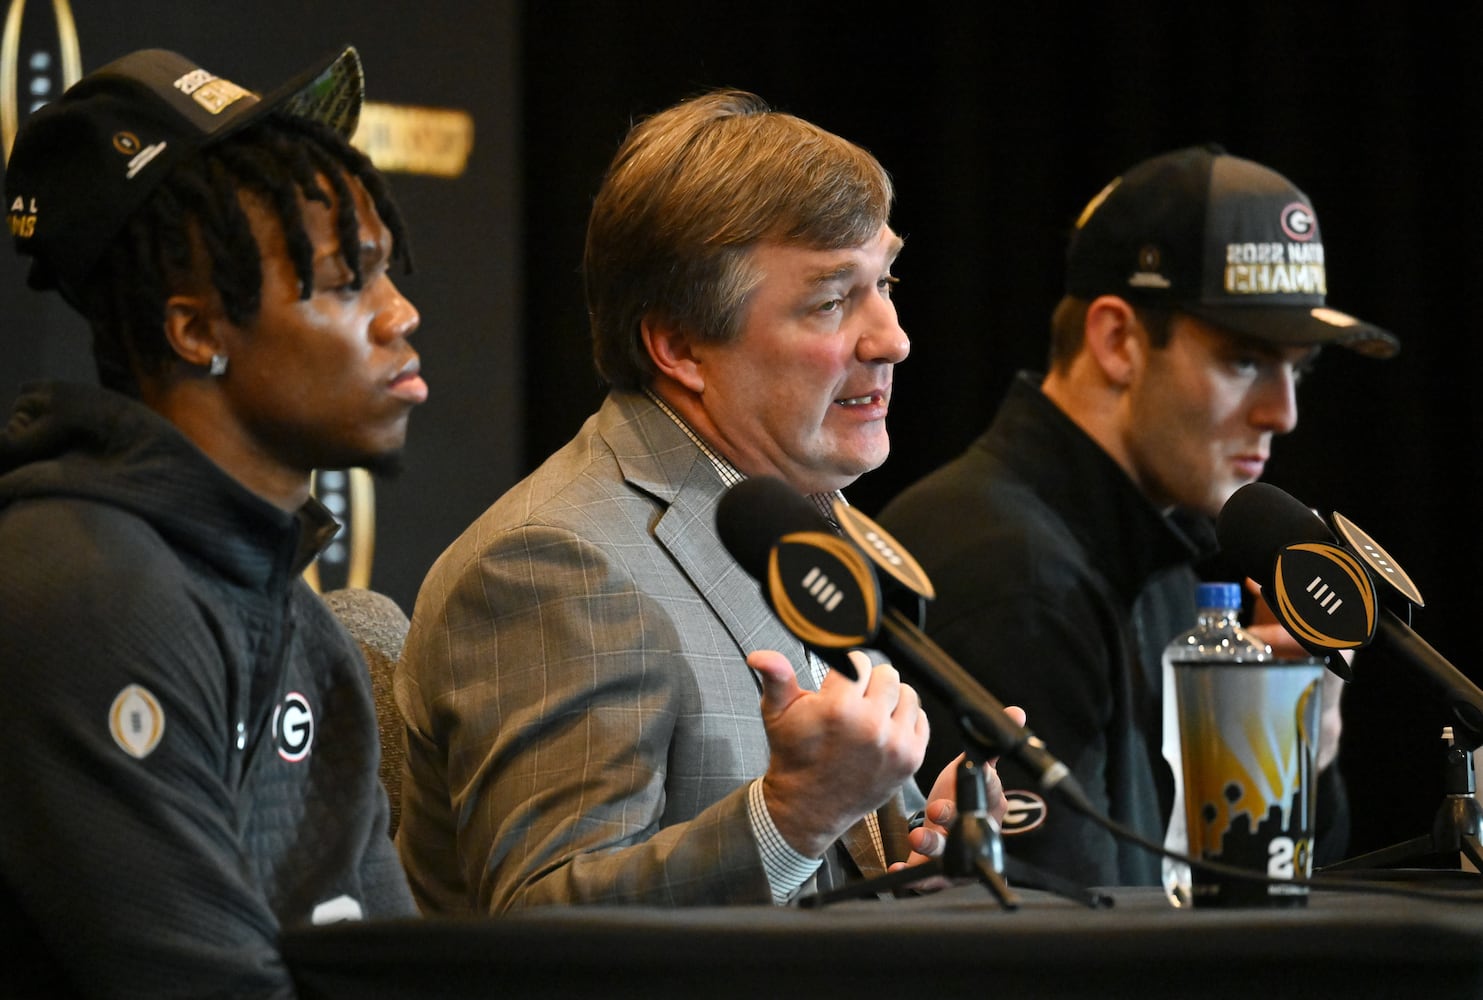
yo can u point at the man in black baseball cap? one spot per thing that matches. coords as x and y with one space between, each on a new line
189 733
1219 238
123 127
1061 542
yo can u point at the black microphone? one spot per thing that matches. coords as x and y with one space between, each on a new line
1315 588
1325 595
824 590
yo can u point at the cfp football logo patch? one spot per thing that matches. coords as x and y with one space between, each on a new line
293 727
136 721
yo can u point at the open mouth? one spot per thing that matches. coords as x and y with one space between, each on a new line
867 400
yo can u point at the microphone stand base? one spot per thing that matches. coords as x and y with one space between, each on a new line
1456 836
975 849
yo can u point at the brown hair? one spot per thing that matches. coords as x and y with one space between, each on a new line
1068 329
689 193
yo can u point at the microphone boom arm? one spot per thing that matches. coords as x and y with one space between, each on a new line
1462 695
985 722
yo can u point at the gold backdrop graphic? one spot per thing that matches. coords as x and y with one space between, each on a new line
68 55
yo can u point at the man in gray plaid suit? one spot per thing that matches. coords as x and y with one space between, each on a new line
600 707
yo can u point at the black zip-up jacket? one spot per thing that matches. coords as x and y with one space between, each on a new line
1059 585
188 744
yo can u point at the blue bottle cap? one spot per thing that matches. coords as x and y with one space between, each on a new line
1218 595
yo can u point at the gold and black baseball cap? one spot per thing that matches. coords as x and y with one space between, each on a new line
83 164
1221 238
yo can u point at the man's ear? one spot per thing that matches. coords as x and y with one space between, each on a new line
673 352
191 329
1114 339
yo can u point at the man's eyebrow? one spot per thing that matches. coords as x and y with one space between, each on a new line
843 271
375 250
371 250
1246 343
848 268
1306 360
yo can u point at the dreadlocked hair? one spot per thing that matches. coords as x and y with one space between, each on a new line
278 159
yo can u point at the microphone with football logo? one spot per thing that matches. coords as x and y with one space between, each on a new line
1331 594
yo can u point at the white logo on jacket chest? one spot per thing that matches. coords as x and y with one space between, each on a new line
293 727
1026 811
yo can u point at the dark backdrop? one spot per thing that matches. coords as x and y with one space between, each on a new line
998 123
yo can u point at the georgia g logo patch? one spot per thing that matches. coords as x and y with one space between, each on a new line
293 727
1298 222
1026 811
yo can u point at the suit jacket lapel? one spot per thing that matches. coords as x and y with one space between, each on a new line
657 457
894 830
861 846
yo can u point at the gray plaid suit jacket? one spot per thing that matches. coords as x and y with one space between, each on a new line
581 724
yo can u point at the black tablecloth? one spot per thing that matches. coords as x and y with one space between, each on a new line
955 943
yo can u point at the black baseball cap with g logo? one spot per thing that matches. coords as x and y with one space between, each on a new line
1218 237
82 165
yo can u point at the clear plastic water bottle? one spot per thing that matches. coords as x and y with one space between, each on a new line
1216 637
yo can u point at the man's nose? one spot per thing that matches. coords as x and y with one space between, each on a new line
396 316
883 342
1276 408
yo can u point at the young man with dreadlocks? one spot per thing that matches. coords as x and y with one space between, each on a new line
187 736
